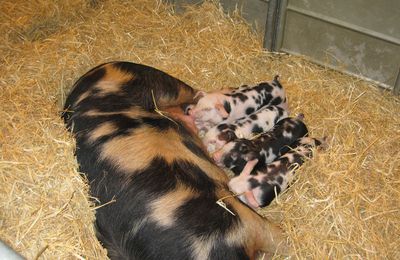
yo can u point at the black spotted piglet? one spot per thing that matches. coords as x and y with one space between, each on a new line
259 122
263 149
214 107
258 187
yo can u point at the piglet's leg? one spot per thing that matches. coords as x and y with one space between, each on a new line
248 168
221 110
237 184
251 200
240 185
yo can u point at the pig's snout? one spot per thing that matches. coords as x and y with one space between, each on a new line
214 145
211 146
217 156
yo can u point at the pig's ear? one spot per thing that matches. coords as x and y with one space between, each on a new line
199 94
231 135
188 109
221 110
300 116
324 142
227 136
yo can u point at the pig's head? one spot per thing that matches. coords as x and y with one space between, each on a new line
218 136
236 153
209 108
310 142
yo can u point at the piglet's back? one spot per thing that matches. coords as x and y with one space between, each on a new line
230 105
248 99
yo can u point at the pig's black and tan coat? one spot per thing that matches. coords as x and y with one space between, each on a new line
164 185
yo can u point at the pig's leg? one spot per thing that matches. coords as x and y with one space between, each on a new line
241 186
221 110
248 168
251 200
217 155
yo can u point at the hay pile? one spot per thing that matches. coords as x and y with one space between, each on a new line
344 202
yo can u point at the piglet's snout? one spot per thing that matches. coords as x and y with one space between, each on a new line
217 156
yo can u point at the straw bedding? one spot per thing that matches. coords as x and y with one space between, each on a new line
344 203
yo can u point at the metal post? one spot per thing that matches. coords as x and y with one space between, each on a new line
396 89
280 24
275 24
269 37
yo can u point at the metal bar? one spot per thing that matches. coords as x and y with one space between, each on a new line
396 89
343 24
280 25
270 27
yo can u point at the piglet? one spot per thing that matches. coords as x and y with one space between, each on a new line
229 105
259 122
258 187
263 149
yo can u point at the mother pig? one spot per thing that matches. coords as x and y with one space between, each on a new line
162 185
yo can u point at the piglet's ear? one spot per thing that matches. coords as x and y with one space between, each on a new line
300 116
231 136
227 136
221 110
199 94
